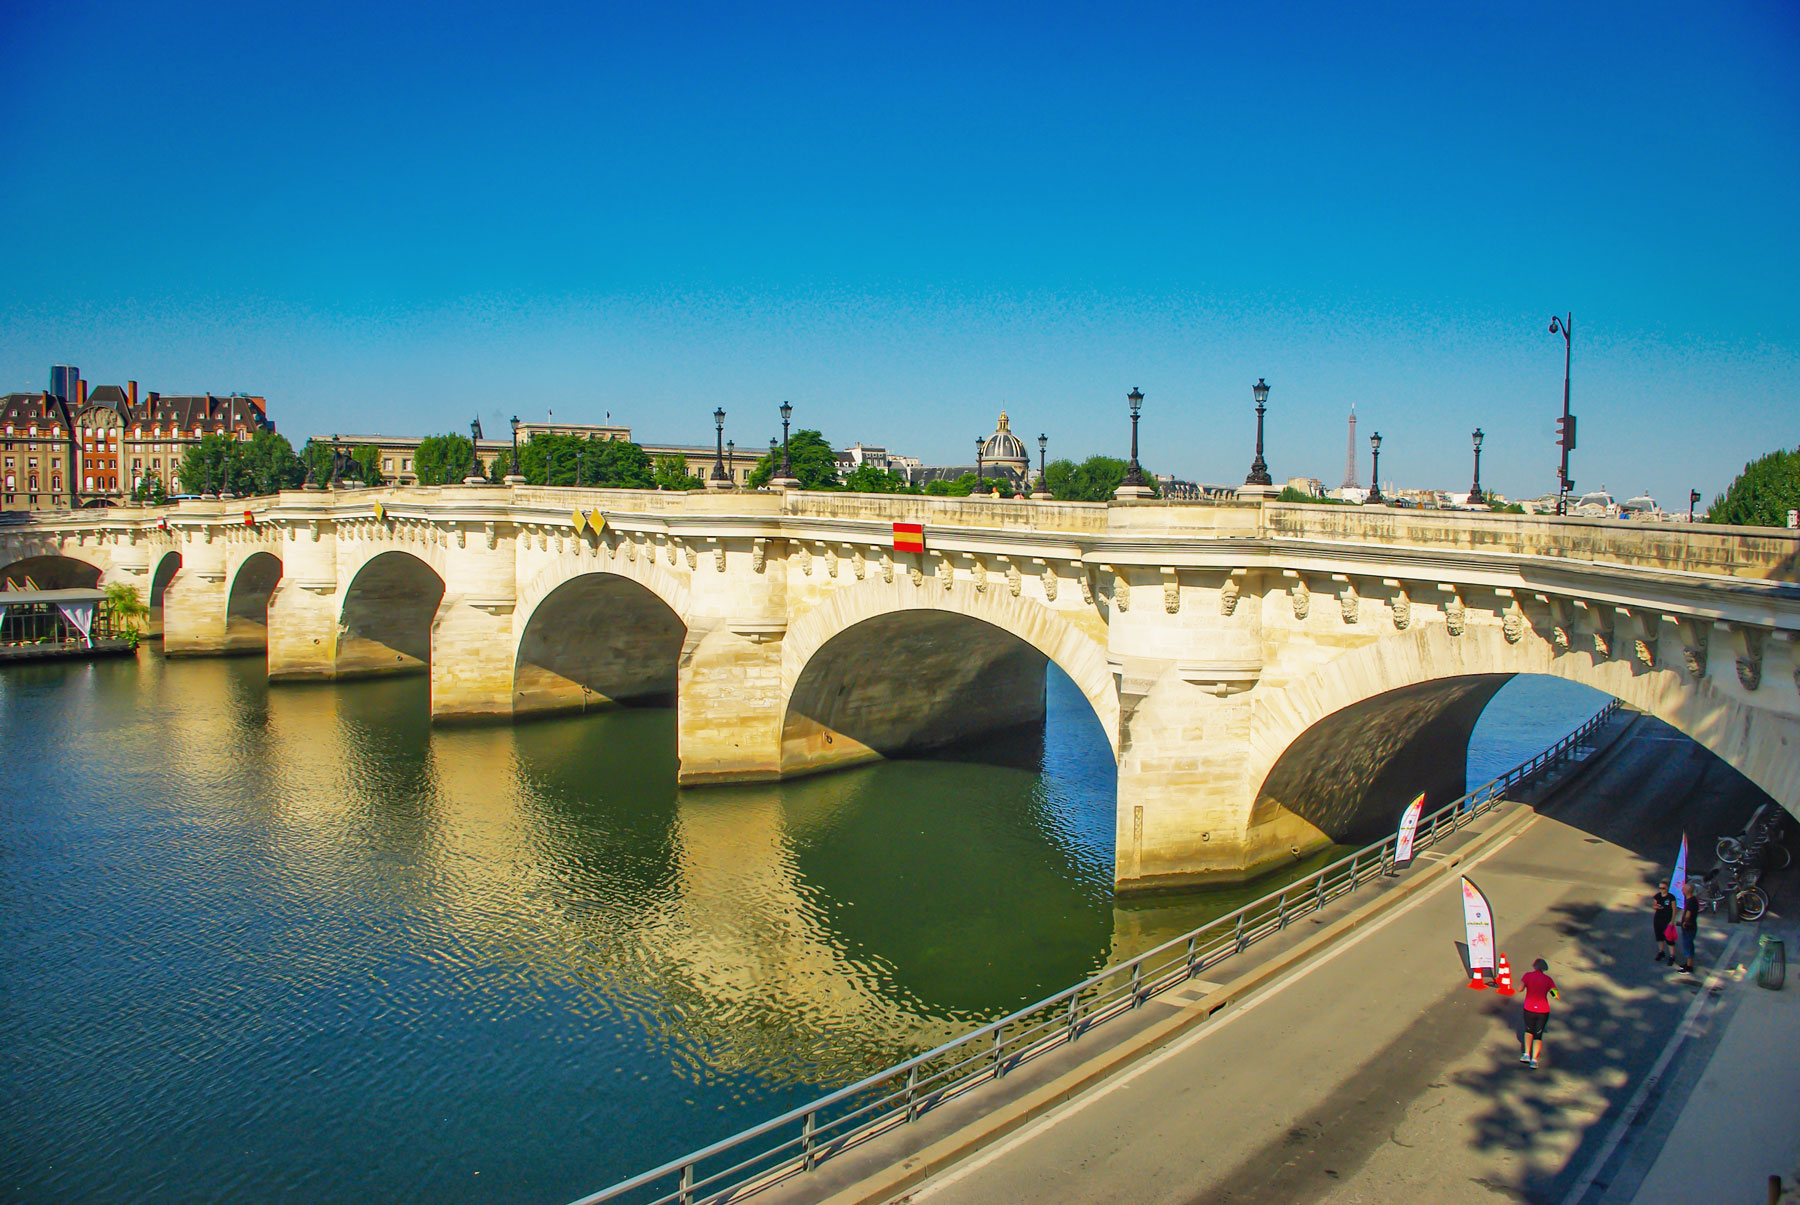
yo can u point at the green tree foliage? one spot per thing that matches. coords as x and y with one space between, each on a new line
1763 493
1093 480
365 459
671 474
548 459
1506 508
150 490
814 463
261 464
867 479
126 606
444 459
1290 494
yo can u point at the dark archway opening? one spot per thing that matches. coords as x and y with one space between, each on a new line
911 683
50 573
595 641
247 610
385 626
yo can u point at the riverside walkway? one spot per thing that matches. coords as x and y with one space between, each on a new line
1372 1073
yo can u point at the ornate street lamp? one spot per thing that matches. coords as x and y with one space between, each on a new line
980 476
515 450
1565 428
1375 470
731 460
787 467
1134 476
1043 443
1259 470
1475 490
720 478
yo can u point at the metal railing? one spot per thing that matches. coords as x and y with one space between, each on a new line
798 1140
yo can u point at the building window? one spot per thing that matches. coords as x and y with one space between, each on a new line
406 465
387 464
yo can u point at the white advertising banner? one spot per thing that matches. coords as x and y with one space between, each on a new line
1409 827
1478 925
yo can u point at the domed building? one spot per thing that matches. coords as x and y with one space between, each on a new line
1004 452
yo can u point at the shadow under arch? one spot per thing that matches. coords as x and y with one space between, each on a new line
167 566
385 624
51 573
596 640
914 681
247 604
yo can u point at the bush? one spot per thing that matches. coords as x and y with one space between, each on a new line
1763 493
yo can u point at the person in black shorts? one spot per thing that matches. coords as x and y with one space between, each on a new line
1540 989
1661 919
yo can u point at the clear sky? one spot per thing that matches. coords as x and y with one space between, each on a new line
904 218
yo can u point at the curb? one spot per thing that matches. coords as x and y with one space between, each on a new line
1004 1120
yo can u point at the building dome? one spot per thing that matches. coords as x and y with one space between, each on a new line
1003 448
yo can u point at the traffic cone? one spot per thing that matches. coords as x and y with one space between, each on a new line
1476 982
1505 986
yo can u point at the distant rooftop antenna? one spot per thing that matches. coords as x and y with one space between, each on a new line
1350 455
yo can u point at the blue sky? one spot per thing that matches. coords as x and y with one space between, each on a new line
905 218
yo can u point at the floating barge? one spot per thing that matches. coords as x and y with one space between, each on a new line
41 625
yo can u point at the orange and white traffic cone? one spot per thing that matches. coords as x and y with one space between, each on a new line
1476 982
1505 986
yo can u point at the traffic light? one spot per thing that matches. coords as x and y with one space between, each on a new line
1565 432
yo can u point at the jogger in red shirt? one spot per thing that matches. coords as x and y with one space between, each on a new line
1539 989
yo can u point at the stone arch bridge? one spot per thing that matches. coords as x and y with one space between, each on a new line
1270 676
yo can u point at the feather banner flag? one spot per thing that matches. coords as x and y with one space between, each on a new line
1478 927
1678 880
1409 826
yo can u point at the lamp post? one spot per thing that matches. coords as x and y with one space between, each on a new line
1565 428
785 479
1043 486
1475 490
731 460
719 479
1133 474
1259 469
1375 470
1693 497
980 476
515 447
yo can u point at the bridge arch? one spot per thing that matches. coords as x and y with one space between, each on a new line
597 638
247 601
1332 747
384 625
876 669
50 571
167 565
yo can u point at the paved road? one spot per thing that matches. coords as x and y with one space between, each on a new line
1376 1075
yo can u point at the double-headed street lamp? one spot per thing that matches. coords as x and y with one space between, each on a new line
1475 490
1259 470
1375 471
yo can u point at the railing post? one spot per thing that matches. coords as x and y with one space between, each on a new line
1240 933
999 1063
809 1157
1281 912
1137 979
1319 895
912 1091
1073 1012
687 1184
1192 938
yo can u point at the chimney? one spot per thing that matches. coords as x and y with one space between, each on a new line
80 393
131 394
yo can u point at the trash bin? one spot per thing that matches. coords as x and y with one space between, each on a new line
1771 962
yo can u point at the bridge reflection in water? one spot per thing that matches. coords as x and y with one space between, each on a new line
298 938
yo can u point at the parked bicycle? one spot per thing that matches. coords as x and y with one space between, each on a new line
1761 843
1735 884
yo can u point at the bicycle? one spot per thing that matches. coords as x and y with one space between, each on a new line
1748 899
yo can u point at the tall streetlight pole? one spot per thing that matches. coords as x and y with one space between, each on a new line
1565 427
1259 470
1375 470
720 479
731 460
1475 490
1134 476
980 476
1043 485
515 447
785 479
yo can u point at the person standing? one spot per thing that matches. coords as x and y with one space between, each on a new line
1540 989
1687 927
1661 920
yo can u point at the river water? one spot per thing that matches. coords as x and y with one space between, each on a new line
297 944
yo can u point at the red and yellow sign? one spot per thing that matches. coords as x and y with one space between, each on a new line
909 537
249 519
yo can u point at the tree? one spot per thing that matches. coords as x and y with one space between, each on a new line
672 474
444 459
150 489
1093 480
208 466
126 606
365 462
867 479
1763 493
962 487
269 465
617 464
813 461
